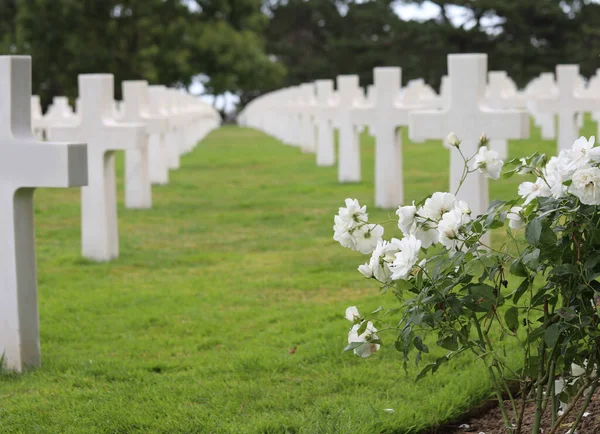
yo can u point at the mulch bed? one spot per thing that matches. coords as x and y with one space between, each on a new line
487 419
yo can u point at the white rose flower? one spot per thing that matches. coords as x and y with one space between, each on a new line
383 255
343 236
556 172
531 190
406 219
368 336
366 237
586 184
365 270
463 207
353 214
453 140
488 163
406 258
515 218
427 236
449 228
438 204
352 314
583 150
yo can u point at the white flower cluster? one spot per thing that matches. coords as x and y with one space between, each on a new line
574 171
352 229
368 338
441 219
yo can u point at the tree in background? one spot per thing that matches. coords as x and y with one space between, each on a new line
324 38
162 41
249 47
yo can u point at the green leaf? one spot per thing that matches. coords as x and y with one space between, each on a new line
518 269
362 328
567 313
521 290
533 231
535 334
592 261
532 259
482 296
448 342
552 334
511 317
352 346
419 345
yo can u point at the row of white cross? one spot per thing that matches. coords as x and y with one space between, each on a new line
468 105
157 125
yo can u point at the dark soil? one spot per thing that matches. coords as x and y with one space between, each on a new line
487 419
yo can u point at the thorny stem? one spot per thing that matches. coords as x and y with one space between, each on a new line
539 388
574 401
465 172
497 389
585 406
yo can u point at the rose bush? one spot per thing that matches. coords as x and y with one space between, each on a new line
538 291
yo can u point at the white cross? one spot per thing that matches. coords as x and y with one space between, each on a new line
325 146
307 112
543 85
468 120
348 140
567 104
38 125
25 164
501 95
99 230
178 122
158 146
172 137
138 187
383 118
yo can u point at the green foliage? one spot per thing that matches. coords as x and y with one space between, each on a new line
470 296
162 41
324 38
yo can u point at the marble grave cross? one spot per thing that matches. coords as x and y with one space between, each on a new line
465 117
325 148
158 146
567 104
104 136
138 186
174 133
348 138
25 164
383 118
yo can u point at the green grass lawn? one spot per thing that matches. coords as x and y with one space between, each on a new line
193 329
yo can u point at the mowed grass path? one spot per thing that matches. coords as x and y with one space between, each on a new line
224 313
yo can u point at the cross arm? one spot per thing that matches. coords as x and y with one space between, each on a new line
547 105
156 124
46 165
427 124
363 116
121 136
505 124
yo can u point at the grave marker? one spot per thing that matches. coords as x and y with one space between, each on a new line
104 136
567 104
468 120
383 118
325 146
138 187
25 164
